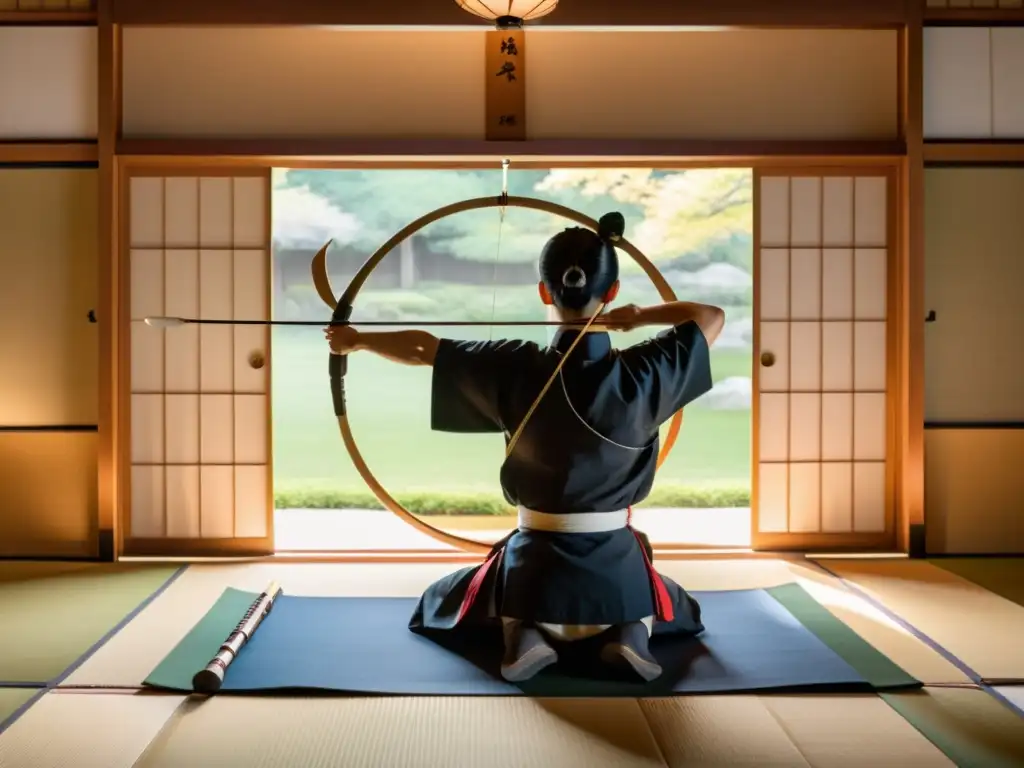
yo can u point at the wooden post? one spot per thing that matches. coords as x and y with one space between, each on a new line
505 89
109 310
910 488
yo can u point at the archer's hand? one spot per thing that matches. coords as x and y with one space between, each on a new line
624 318
342 338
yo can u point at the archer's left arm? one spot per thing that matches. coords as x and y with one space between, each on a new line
405 347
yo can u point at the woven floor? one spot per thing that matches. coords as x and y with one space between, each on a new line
88 715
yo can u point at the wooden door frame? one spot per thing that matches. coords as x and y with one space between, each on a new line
166 546
169 162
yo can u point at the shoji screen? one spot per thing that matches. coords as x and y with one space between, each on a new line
47 80
822 413
973 87
200 442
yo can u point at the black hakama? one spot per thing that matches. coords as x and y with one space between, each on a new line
562 465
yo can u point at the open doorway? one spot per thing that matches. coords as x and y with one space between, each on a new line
695 225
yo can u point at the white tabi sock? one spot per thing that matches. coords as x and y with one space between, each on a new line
571 632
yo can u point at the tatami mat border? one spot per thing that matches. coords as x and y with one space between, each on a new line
927 640
13 717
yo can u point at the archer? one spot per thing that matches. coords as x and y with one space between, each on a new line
579 455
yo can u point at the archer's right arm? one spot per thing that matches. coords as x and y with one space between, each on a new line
673 369
709 319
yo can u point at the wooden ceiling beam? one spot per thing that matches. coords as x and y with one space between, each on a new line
564 149
589 13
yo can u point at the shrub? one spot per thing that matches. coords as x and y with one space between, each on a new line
463 503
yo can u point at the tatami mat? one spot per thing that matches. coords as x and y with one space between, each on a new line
133 653
852 732
403 732
21 570
113 729
94 730
885 634
52 615
1002 575
715 731
1013 693
971 726
13 699
981 629
824 732
936 727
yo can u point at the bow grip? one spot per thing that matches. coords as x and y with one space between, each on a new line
337 366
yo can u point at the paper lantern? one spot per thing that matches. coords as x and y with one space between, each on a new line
508 13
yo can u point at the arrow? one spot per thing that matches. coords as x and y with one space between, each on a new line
176 322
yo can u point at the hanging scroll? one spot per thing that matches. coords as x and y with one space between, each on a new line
505 64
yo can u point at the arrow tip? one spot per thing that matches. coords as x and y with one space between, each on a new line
164 322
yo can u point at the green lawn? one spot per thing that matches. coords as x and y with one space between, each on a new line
389 409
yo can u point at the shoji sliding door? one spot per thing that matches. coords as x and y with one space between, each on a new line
823 424
199 450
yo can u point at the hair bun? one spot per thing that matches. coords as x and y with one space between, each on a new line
574 278
611 226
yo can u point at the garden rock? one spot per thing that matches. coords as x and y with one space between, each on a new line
736 334
731 394
714 276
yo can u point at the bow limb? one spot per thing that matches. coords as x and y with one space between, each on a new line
321 281
338 367
342 311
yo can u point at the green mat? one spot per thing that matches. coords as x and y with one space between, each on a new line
50 617
1003 576
868 661
199 644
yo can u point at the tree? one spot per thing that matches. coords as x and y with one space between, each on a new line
697 211
384 201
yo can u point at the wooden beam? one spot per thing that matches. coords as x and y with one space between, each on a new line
268 151
109 310
611 13
44 18
910 425
46 152
972 16
974 152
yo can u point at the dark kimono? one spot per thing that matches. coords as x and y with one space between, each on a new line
562 465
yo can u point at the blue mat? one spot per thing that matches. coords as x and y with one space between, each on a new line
363 645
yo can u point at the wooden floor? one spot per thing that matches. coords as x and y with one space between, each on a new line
948 631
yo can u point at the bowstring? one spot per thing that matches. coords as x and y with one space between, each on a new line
497 253
551 380
494 275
